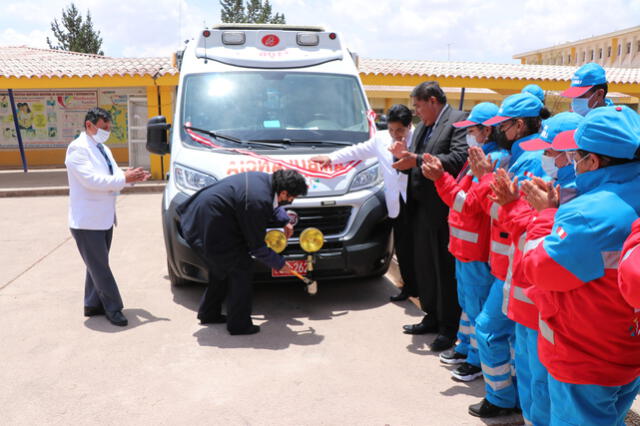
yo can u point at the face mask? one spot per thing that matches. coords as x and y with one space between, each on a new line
471 140
575 165
101 136
549 166
501 139
581 106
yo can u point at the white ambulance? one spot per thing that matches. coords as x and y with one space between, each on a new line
263 97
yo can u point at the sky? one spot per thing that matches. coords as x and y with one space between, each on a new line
462 30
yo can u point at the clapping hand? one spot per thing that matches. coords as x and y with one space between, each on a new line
540 194
432 167
504 189
399 148
136 175
479 163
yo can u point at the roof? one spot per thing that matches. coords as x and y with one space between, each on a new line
577 42
435 69
23 61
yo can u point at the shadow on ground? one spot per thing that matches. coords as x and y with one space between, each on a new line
136 317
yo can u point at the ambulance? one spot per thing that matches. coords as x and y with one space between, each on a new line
266 97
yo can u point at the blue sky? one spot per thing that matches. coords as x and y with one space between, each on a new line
464 30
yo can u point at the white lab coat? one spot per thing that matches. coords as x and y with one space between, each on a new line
92 190
395 183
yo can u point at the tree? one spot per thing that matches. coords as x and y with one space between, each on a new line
255 12
74 33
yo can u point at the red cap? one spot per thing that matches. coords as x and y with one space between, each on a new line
495 120
575 91
535 145
565 141
465 123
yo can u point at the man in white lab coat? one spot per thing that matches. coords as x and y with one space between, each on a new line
94 182
400 129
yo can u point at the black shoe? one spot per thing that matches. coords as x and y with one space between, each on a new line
92 311
251 330
117 318
452 357
214 319
420 328
466 372
399 297
441 343
485 409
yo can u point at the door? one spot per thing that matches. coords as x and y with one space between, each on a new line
138 154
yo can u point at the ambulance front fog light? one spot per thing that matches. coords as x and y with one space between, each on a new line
190 181
311 240
307 39
233 37
276 240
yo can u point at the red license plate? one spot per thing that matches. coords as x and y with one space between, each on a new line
300 266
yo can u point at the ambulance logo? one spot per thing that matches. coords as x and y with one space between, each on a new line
270 40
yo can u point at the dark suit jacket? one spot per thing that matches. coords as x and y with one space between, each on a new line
450 146
229 218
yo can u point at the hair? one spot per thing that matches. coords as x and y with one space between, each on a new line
427 89
95 114
399 114
607 161
533 124
603 86
290 181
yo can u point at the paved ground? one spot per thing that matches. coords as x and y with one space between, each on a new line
338 358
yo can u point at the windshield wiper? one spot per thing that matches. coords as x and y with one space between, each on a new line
233 139
288 141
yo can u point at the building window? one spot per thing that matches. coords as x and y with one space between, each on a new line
592 54
600 53
638 49
584 55
609 52
619 49
628 48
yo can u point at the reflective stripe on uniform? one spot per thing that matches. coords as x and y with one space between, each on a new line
464 316
458 203
474 342
628 253
506 289
546 331
500 248
464 329
497 385
495 211
522 241
518 294
498 370
611 259
461 234
531 244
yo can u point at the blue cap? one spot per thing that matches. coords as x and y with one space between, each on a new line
518 105
559 123
479 114
535 90
585 78
612 131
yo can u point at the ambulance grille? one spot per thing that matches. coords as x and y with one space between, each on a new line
330 220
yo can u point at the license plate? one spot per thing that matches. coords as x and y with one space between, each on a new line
300 266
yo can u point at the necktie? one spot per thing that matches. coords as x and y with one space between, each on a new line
106 157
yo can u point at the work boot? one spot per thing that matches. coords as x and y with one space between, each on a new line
485 409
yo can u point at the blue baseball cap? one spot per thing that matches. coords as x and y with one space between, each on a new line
612 131
514 106
535 90
479 114
559 123
584 79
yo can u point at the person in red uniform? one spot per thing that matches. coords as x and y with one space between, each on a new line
629 272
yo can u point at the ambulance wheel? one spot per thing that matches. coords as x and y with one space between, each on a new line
175 280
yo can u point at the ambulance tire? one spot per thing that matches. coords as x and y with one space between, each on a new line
175 280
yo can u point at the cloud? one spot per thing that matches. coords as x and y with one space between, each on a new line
35 38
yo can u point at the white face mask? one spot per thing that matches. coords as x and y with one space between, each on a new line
471 140
549 166
575 164
101 136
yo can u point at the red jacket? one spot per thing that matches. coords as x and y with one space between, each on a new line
468 232
629 271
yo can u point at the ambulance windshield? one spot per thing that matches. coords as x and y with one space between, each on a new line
276 105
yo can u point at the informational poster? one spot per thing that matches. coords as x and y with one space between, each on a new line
53 118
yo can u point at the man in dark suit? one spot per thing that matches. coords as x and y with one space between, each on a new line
225 223
427 215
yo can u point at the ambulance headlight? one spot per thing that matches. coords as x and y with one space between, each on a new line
307 39
190 181
276 240
311 240
233 37
366 178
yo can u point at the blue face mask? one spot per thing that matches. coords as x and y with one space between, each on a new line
581 106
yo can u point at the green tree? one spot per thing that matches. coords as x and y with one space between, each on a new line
75 34
255 12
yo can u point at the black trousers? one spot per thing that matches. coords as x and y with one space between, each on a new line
434 269
233 284
403 244
100 288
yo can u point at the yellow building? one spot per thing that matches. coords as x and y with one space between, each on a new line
617 49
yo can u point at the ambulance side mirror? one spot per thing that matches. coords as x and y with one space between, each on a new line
157 135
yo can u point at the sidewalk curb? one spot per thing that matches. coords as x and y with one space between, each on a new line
64 190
